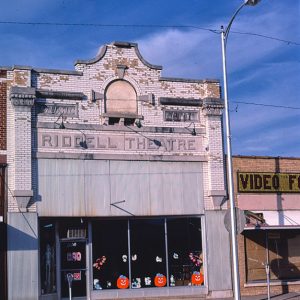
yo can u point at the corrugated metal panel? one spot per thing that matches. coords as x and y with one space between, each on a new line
22 257
218 252
89 187
130 182
97 187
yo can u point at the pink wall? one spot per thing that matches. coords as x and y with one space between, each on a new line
268 201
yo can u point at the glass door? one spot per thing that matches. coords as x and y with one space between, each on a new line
73 261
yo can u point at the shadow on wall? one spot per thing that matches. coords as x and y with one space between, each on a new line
20 240
282 268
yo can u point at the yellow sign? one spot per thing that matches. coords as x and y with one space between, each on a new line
268 182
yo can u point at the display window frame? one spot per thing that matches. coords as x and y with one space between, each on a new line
139 284
268 247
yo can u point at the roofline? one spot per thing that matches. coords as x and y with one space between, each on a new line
119 45
41 70
265 157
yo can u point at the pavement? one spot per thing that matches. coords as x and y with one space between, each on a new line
288 296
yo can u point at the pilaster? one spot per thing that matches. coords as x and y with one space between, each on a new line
19 148
212 110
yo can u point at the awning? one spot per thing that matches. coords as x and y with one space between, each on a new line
275 220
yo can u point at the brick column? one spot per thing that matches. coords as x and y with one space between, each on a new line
22 232
22 100
212 110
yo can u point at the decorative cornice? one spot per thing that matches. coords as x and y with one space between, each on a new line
22 96
180 101
174 79
59 94
213 106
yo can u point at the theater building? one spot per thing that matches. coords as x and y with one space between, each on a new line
116 182
268 189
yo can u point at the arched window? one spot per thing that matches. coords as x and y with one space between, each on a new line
120 98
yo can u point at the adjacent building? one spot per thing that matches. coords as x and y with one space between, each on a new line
115 181
268 190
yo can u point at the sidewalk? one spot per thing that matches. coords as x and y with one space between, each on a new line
288 296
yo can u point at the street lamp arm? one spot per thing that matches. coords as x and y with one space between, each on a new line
231 21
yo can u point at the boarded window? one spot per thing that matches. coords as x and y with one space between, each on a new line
283 254
121 98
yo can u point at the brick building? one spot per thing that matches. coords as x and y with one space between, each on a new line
3 209
268 189
116 181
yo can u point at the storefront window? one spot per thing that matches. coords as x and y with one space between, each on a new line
133 253
280 247
110 254
148 253
185 252
47 257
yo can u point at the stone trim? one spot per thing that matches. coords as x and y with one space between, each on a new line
22 96
23 198
213 102
119 128
56 71
120 45
96 156
40 93
122 115
180 101
41 70
189 80
93 60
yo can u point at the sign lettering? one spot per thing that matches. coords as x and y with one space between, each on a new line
268 182
131 143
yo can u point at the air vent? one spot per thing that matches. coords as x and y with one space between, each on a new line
76 233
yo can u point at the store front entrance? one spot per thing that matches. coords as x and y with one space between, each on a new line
73 264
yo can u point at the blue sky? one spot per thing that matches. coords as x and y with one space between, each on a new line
260 70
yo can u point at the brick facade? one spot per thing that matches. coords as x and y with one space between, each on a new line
3 98
263 164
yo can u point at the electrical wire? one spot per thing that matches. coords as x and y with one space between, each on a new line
216 31
267 105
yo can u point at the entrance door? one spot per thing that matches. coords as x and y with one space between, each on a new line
73 261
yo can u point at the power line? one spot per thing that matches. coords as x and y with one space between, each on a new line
216 31
267 37
267 105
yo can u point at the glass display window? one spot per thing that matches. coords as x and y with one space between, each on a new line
279 248
47 257
133 253
148 253
185 252
110 254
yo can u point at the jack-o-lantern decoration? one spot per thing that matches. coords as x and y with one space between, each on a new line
197 278
122 282
160 280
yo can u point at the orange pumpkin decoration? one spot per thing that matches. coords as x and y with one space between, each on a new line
160 280
197 278
122 282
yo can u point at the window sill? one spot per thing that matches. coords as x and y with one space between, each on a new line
273 283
